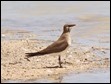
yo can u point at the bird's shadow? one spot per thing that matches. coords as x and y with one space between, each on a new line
53 67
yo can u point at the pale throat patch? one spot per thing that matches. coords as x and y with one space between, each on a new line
69 40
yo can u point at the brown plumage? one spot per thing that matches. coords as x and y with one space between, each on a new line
60 45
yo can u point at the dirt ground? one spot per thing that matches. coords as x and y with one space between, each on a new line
14 66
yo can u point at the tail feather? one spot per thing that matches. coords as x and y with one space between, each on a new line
33 54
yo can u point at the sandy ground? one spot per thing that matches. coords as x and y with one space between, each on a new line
93 27
15 67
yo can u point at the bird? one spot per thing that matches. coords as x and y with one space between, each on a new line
63 42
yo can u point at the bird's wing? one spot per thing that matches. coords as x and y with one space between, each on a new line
57 46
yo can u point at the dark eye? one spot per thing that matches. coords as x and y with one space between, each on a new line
68 29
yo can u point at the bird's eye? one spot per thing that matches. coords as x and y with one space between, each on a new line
67 29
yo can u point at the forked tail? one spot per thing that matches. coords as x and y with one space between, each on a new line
34 54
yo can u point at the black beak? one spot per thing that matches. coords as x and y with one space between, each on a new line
71 25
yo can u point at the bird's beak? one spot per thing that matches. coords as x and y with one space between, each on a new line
71 25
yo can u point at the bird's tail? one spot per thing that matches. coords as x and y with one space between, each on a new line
34 54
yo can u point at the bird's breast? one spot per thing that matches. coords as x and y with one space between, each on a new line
69 40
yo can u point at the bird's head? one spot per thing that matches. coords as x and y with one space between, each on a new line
67 27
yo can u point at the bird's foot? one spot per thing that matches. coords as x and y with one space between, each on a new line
60 66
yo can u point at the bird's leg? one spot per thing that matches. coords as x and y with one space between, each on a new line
60 61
